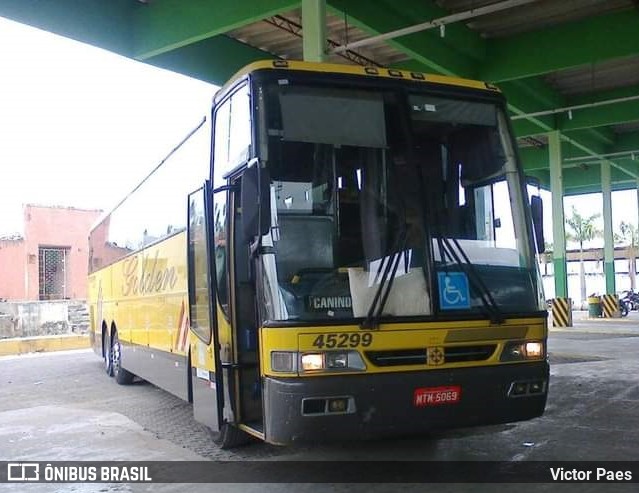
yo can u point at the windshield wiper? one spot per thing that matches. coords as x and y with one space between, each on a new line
461 259
394 256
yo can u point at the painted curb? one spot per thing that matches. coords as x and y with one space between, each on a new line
42 344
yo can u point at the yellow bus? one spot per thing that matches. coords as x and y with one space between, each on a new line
360 262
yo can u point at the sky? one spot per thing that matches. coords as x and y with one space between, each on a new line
80 126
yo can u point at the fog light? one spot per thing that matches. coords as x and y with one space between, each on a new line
337 405
536 387
519 388
534 350
312 361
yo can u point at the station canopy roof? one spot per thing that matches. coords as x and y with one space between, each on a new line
566 65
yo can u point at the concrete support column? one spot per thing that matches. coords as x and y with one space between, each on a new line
637 202
558 226
609 246
314 30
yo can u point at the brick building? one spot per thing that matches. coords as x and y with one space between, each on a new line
50 260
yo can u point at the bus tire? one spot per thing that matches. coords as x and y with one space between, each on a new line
122 376
106 351
231 437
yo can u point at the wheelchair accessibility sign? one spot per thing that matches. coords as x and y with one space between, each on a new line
453 291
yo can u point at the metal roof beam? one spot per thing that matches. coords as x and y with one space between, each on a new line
456 54
596 150
569 109
165 25
587 179
295 29
601 137
440 23
630 154
588 41
537 157
597 116
530 93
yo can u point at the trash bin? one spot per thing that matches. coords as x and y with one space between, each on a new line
594 306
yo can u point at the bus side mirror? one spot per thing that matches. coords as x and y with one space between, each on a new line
255 201
537 210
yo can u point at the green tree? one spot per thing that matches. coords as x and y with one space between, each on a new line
581 230
629 237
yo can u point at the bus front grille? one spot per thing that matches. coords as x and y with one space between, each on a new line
455 354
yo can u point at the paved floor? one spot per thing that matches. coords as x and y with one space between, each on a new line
61 406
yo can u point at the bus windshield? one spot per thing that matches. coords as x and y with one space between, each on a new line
373 186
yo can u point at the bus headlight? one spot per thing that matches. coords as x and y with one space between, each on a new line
523 351
336 359
312 361
534 350
317 361
332 360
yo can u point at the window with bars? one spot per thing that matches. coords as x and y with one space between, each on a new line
53 273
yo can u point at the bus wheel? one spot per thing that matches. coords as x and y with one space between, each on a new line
122 376
108 362
231 437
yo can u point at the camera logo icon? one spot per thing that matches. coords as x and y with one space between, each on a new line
23 471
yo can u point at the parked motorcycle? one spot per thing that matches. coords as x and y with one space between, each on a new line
631 299
623 308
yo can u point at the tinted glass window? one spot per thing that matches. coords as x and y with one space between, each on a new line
232 139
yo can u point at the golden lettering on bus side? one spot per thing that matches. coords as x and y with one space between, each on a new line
151 277
157 285
170 279
130 279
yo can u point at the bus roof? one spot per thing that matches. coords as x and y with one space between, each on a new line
335 68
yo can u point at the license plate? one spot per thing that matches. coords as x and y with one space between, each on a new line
436 396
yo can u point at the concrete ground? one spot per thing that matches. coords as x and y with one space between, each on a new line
61 406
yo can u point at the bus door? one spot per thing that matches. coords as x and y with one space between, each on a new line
223 313
207 382
248 384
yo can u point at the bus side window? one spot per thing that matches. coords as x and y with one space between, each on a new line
231 146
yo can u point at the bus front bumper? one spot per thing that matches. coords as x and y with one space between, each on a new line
378 405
